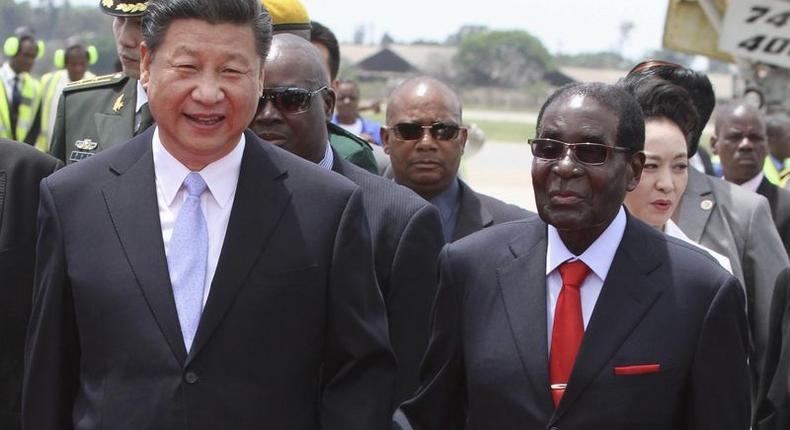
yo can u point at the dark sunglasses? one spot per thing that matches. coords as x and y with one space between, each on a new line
289 100
593 154
413 131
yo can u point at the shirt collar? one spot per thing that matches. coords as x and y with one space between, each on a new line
221 176
754 183
7 72
329 159
598 256
447 200
142 98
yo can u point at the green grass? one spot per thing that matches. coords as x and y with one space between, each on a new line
506 131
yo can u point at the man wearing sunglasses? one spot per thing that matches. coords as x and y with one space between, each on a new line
586 318
425 141
405 229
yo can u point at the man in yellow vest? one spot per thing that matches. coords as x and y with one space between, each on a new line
20 94
72 63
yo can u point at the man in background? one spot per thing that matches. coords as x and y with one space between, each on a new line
72 62
740 141
425 141
20 93
96 114
406 230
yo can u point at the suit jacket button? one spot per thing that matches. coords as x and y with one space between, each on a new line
190 377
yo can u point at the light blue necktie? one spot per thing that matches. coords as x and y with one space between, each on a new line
186 258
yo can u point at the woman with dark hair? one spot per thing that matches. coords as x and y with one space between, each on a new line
671 121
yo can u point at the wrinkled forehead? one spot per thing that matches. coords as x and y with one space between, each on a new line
426 103
580 117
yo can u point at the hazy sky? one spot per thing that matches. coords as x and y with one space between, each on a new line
567 26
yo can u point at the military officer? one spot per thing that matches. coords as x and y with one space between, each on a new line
94 114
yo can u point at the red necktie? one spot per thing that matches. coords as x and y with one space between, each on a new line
566 337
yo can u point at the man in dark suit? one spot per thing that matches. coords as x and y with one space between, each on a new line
772 410
21 169
425 141
586 318
741 142
406 230
195 277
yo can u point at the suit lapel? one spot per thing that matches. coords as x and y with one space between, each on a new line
116 127
472 216
260 200
628 293
525 305
696 206
131 202
771 193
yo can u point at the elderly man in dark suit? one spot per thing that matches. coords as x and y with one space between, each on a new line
21 169
425 141
585 318
406 230
195 277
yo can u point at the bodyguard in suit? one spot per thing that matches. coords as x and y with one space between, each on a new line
195 277
21 169
585 318
740 140
406 230
726 218
773 395
95 114
425 141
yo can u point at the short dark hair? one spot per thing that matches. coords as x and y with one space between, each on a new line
695 83
161 13
659 98
631 124
322 35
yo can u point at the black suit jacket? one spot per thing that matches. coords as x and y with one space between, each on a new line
773 395
779 200
478 211
663 302
293 334
21 169
407 237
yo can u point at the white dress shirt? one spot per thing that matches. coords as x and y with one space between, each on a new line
754 183
598 257
8 74
672 229
221 177
329 159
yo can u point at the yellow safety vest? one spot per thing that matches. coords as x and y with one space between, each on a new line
49 84
31 98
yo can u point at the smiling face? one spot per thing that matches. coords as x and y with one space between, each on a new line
128 36
203 84
581 200
426 165
664 176
740 142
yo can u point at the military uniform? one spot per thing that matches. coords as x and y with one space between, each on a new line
94 114
352 148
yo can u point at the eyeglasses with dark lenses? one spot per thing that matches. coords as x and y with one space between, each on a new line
289 100
414 131
593 154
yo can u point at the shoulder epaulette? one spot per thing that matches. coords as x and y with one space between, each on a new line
97 82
